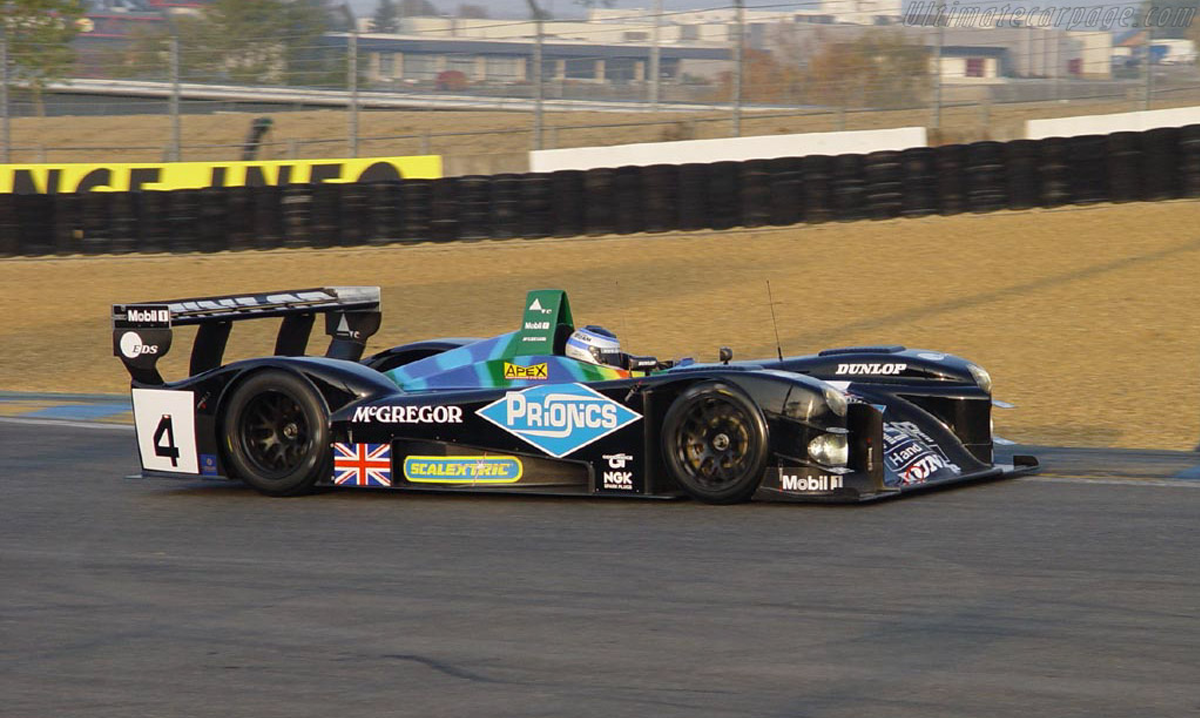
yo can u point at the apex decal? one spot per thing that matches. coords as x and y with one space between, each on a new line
558 419
535 371
882 369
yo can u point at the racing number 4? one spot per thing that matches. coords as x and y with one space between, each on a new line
166 448
166 430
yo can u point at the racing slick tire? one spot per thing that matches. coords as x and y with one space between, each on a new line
714 442
276 434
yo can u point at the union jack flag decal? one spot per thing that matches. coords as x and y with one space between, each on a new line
362 464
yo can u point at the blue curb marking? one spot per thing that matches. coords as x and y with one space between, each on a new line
72 407
1192 473
79 411
11 396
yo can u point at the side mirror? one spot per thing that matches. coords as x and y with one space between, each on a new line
724 354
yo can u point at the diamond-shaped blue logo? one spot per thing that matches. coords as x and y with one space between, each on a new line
558 418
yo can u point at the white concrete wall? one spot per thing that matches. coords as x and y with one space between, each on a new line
1096 51
1104 124
733 148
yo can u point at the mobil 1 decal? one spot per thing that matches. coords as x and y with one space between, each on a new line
558 419
910 456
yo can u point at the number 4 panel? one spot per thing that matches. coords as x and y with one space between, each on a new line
166 430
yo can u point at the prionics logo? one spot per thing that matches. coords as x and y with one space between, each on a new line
560 418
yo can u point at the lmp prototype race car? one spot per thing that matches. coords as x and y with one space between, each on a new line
546 409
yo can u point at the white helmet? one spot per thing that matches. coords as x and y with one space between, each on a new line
594 345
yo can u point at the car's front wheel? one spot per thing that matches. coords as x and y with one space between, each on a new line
276 430
715 443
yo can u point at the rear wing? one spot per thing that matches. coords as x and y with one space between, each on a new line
142 331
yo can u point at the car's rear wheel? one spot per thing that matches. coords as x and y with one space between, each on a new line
715 443
277 433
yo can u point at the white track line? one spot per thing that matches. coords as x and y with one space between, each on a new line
1173 483
65 422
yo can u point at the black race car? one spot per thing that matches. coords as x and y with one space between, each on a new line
515 414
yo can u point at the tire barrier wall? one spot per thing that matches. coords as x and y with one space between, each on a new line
1157 164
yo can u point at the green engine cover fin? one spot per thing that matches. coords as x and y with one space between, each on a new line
545 311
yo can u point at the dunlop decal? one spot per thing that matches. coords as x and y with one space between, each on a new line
123 177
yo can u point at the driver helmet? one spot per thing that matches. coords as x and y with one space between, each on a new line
594 345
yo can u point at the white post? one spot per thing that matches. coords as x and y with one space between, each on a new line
352 81
739 66
4 123
936 122
655 56
176 134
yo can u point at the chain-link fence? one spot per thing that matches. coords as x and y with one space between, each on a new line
506 87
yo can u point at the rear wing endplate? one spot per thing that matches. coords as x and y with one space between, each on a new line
142 331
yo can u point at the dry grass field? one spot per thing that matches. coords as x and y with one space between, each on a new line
143 137
1088 318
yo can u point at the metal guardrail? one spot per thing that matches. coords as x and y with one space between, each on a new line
371 99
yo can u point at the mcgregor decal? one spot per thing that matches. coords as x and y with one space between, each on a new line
124 177
408 414
560 418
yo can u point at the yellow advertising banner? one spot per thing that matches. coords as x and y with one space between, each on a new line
125 176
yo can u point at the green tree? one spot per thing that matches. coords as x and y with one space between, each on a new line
387 17
260 42
39 33
880 68
417 8
473 12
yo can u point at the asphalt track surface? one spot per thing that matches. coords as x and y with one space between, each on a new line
1059 595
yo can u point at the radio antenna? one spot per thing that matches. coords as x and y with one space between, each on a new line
775 324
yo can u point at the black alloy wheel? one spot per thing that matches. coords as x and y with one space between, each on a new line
715 443
277 433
